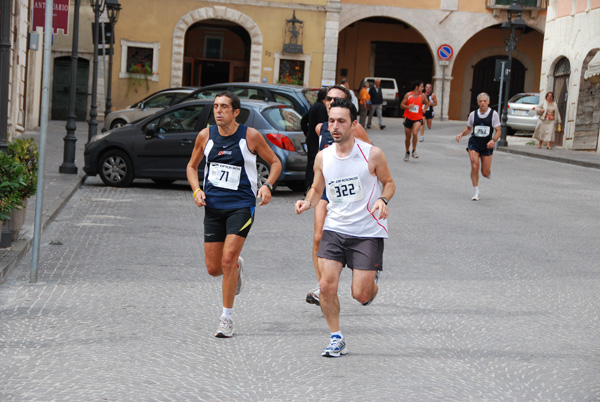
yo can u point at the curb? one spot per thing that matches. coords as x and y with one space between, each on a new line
22 245
594 165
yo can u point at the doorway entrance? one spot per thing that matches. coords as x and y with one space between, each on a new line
216 51
483 81
562 72
62 85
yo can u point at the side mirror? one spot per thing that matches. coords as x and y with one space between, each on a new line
141 106
150 131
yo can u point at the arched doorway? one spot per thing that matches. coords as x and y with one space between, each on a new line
218 13
216 51
61 88
483 81
383 47
562 72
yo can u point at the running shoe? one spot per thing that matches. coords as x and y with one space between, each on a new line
240 284
336 348
422 139
475 197
406 157
376 281
382 126
225 329
312 297
414 154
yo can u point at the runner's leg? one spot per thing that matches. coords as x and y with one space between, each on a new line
330 304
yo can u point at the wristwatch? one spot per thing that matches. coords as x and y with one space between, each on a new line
269 185
385 200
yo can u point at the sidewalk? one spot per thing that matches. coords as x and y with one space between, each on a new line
580 158
58 188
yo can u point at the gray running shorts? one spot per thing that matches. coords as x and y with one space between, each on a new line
365 253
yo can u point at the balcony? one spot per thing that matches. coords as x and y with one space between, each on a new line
531 5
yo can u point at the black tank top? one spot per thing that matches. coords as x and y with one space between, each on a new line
479 125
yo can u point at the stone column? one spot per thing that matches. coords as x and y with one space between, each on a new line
332 29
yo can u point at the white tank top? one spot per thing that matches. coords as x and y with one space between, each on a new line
352 192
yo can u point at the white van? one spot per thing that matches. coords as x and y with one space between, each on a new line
389 90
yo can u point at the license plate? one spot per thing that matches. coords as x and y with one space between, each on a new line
520 112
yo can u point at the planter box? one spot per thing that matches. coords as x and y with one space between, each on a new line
17 219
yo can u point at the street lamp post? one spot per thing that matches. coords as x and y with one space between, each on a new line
113 7
98 7
514 29
68 165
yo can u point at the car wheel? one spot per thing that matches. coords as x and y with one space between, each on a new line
510 130
297 186
263 173
117 123
163 182
116 169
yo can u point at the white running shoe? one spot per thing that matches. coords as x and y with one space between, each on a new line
406 157
240 284
475 197
225 329
414 154
336 348
312 297
422 139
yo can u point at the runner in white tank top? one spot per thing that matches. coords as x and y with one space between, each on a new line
352 193
359 185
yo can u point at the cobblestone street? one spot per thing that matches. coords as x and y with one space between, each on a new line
491 300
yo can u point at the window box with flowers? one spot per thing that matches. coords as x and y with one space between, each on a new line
291 79
138 76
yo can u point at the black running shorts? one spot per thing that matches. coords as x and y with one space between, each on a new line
218 223
408 123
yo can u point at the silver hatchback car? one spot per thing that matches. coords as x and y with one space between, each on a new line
521 112
146 107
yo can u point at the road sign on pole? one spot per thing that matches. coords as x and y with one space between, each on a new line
445 52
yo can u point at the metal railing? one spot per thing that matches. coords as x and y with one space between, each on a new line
526 4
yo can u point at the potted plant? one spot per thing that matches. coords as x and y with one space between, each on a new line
138 74
13 180
24 152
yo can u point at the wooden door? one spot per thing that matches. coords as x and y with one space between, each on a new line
562 72
62 85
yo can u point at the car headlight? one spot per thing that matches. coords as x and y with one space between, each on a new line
100 136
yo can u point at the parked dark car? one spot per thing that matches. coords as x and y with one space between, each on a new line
300 98
147 106
160 146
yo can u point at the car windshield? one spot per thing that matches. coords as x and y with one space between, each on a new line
283 119
527 99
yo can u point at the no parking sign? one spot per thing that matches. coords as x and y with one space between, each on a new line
445 52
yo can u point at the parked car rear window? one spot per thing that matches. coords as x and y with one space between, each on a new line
526 99
283 119
311 95
283 99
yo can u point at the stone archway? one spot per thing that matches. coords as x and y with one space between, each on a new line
482 54
221 13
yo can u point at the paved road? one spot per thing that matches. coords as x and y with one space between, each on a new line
490 300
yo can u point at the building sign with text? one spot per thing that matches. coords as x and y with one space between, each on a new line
60 15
